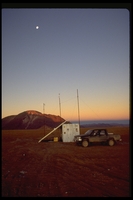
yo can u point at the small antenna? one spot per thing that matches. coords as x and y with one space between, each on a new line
59 105
44 116
78 109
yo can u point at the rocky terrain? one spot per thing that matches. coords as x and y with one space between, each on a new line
59 169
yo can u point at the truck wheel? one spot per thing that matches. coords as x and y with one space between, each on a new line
85 143
111 142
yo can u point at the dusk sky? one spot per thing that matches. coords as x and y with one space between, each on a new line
84 49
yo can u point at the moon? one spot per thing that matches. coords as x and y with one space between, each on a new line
37 27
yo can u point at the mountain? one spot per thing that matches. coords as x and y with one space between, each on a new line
30 119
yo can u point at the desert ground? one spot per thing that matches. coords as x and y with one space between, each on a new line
58 169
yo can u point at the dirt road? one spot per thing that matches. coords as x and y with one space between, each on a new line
57 169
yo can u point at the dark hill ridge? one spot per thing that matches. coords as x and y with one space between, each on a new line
30 119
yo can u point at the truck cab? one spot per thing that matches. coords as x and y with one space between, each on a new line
97 135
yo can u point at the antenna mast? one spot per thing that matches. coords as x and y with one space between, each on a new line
44 116
78 109
59 105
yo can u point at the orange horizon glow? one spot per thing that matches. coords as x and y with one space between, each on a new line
101 114
85 117
95 119
70 112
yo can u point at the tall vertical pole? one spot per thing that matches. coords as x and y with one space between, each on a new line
78 110
59 105
44 116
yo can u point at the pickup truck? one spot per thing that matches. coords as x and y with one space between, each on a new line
97 136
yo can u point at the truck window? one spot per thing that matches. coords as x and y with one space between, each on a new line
95 132
102 133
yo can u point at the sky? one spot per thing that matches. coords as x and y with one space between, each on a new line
84 50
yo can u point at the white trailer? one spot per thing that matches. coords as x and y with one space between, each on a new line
69 131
